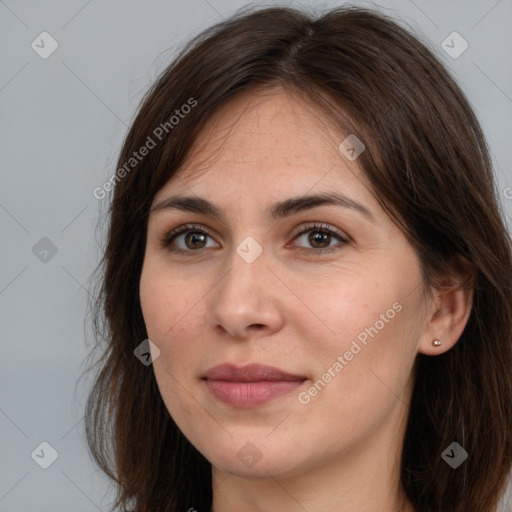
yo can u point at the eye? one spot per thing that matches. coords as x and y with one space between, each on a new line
320 236
195 238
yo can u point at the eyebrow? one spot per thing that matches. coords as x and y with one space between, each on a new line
278 210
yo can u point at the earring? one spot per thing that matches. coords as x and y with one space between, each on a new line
436 342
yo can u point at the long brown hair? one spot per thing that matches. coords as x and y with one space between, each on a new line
427 161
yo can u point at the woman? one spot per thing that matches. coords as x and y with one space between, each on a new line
306 244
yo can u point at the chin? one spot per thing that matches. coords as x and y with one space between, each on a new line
251 462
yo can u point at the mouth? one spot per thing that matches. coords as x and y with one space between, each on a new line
251 385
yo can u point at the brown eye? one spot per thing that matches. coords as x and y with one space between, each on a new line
195 239
188 238
191 238
319 238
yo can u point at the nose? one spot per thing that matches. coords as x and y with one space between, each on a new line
246 300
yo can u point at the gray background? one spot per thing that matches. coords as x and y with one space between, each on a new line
63 119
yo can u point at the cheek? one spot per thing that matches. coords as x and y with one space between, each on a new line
163 301
368 333
152 305
377 306
350 310
171 318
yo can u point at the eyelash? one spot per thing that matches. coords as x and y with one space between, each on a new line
168 238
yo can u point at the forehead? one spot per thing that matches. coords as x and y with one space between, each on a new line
266 140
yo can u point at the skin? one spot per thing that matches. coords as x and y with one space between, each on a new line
295 310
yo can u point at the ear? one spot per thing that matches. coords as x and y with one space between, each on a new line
449 312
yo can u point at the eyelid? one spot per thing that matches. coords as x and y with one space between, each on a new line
320 226
181 229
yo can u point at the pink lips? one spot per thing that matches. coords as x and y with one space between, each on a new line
250 385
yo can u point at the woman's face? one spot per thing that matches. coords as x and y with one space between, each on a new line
341 311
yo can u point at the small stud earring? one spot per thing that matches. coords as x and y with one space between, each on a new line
436 342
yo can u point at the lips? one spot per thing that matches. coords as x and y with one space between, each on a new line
249 373
251 385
